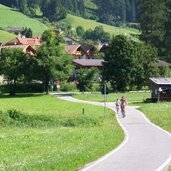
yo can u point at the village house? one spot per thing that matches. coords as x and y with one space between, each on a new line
161 89
72 47
90 51
77 51
27 49
88 63
15 30
34 41
70 41
102 48
80 51
162 63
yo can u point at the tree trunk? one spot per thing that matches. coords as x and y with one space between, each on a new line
47 85
12 89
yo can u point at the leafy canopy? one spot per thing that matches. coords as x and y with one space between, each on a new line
129 64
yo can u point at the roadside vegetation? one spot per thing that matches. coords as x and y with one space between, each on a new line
158 113
40 132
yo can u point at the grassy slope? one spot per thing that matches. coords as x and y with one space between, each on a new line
5 36
87 24
10 17
54 135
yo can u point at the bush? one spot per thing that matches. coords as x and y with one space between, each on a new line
68 87
95 87
24 88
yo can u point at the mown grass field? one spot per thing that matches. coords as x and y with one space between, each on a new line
132 97
158 113
5 36
87 24
39 132
10 17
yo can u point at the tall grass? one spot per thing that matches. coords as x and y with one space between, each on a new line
40 132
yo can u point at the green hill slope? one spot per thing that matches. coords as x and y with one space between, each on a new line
87 24
5 36
10 17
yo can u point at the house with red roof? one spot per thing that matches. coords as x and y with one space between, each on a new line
34 41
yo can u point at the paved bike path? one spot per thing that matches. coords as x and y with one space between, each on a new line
146 147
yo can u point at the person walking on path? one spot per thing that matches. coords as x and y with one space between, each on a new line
117 105
123 106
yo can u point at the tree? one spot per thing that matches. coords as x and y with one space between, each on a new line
167 41
53 62
98 34
27 32
80 31
86 78
152 18
146 65
11 64
125 62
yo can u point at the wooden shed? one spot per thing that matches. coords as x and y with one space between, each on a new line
161 89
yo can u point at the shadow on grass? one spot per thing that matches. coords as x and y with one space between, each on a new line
21 95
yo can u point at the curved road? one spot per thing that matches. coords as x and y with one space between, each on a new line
146 147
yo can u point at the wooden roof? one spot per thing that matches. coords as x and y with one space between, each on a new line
23 47
35 41
89 62
163 63
161 81
71 48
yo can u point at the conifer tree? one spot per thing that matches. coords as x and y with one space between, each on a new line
152 18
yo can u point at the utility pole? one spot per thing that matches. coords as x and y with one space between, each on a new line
104 99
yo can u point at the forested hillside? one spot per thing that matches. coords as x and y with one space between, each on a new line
117 11
112 12
153 16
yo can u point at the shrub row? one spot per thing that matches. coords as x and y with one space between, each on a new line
23 88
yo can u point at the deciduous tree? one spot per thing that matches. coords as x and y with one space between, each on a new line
11 64
53 62
129 64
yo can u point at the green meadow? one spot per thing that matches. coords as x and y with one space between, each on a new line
5 36
158 113
132 97
91 24
12 18
40 132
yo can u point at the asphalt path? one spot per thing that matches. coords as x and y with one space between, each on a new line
146 146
